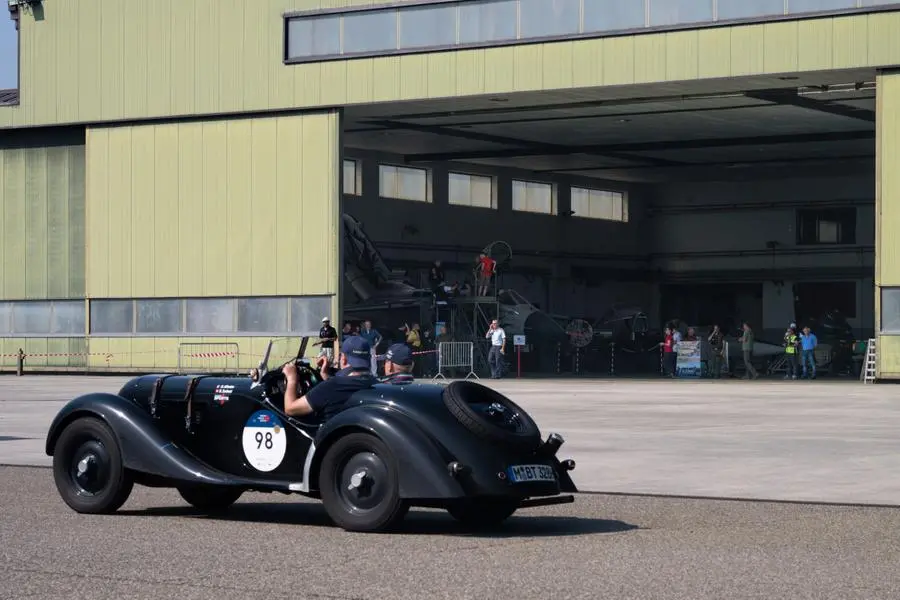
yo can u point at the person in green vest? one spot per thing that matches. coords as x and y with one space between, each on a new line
791 346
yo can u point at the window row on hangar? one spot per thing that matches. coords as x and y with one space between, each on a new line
480 191
244 316
444 24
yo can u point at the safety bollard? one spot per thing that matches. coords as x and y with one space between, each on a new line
20 363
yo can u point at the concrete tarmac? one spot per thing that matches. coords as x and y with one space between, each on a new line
272 547
807 441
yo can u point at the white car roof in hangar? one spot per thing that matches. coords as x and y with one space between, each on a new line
752 127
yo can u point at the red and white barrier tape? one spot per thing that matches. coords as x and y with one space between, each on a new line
210 355
59 354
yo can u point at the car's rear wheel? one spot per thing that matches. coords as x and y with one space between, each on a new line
88 469
483 513
210 498
360 484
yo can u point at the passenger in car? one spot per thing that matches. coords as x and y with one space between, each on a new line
398 365
328 398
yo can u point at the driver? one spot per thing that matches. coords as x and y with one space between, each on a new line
328 398
398 365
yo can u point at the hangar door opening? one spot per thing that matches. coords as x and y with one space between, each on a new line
612 213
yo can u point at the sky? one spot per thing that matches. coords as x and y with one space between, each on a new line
8 50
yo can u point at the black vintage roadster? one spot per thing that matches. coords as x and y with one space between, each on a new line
463 447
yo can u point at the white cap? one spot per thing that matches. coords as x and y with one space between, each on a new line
325 319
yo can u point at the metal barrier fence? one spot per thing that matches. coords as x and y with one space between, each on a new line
220 357
456 355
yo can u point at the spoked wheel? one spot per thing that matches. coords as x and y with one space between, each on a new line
360 485
483 513
88 468
210 498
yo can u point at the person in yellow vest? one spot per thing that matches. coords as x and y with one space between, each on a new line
791 351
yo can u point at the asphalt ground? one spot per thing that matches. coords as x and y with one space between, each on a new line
601 546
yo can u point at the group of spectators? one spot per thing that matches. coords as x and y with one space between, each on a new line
414 340
485 269
799 350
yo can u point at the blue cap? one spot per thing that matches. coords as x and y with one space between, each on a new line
399 354
358 352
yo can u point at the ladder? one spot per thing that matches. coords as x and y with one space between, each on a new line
869 363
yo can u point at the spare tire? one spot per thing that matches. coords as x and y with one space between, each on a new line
490 415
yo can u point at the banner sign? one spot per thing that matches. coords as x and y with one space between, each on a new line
688 359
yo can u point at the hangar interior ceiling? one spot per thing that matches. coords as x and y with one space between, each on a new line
691 131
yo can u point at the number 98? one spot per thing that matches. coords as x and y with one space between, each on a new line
260 439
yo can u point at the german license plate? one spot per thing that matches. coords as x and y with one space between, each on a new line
523 473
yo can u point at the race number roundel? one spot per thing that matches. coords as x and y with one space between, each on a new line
264 440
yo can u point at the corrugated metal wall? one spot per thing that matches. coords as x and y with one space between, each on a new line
887 213
129 59
42 238
42 245
234 207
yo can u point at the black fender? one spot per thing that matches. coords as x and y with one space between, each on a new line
144 448
423 462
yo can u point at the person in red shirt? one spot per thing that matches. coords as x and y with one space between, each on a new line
669 356
486 266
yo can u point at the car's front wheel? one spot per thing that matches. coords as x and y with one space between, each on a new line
483 513
88 469
360 484
210 498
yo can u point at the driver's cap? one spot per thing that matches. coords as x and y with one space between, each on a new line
399 354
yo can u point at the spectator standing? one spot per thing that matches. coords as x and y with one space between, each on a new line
327 338
669 357
747 339
808 342
413 337
436 275
791 346
414 340
691 335
371 335
498 348
716 352
485 267
346 332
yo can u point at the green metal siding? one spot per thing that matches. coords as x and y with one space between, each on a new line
42 252
187 57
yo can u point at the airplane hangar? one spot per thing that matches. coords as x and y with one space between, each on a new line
174 185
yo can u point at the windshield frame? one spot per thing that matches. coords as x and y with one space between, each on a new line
264 367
